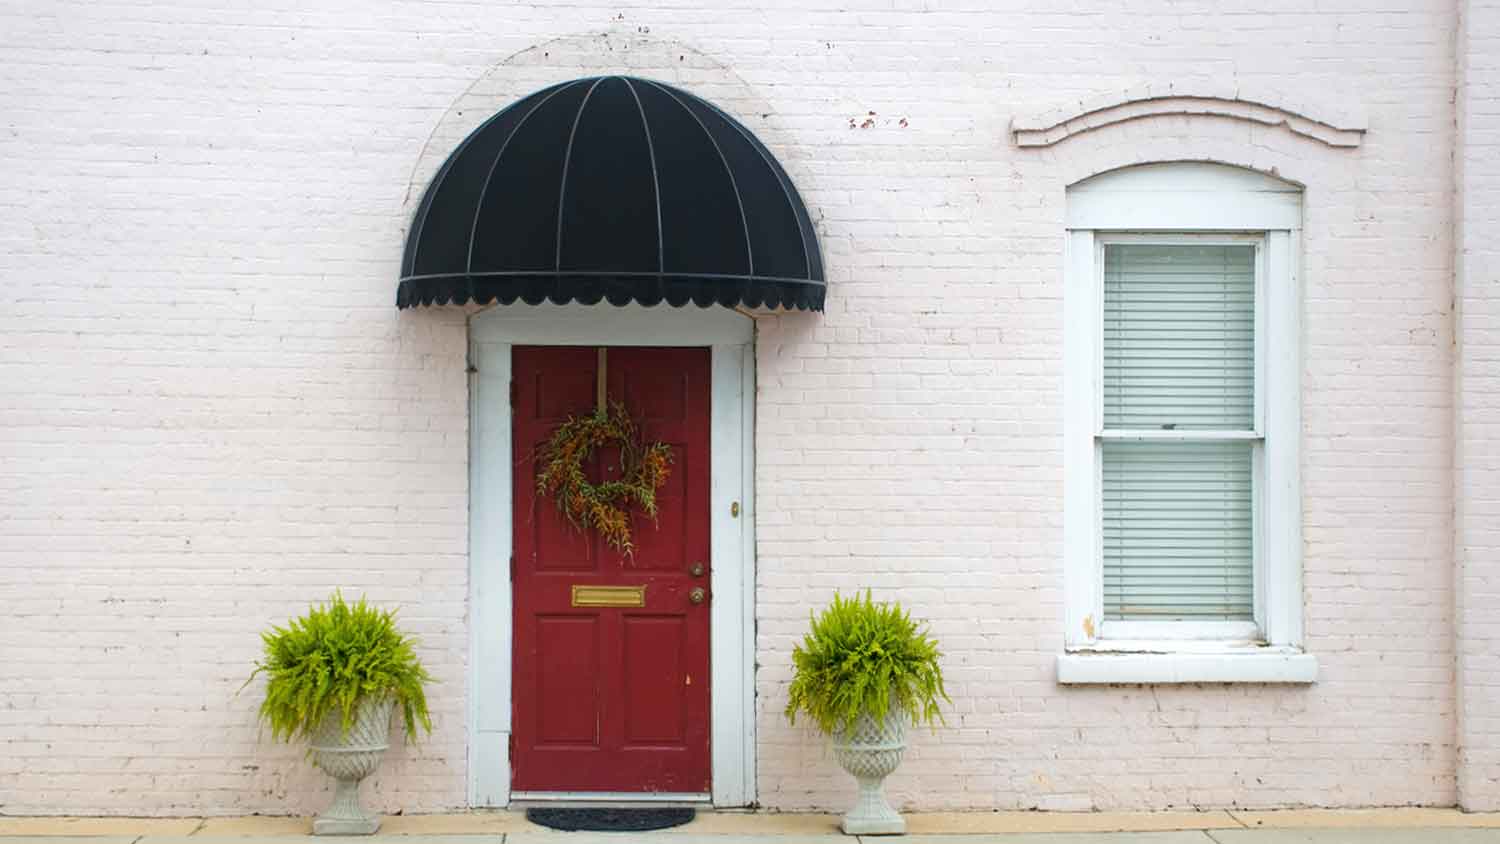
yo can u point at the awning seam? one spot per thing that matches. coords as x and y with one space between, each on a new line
483 191
562 186
733 182
786 188
661 252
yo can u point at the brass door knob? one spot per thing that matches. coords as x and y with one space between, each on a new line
696 570
696 596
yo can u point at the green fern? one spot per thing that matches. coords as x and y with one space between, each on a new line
330 659
863 657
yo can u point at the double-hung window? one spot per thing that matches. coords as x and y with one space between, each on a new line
1182 513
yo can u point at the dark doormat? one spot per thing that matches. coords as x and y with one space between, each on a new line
609 820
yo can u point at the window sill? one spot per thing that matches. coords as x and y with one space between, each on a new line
1195 662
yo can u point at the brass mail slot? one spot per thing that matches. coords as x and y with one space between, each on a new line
609 596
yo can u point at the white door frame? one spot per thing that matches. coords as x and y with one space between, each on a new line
731 337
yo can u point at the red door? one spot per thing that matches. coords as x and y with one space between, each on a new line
612 698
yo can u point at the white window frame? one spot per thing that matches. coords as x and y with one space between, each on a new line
1162 631
1202 204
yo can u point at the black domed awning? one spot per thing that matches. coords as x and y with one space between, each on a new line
612 188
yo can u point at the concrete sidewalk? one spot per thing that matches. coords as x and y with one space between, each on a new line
1368 826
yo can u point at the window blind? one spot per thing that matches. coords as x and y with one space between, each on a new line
1179 355
1177 530
1179 337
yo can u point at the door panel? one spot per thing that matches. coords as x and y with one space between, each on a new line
568 640
568 550
663 544
661 396
654 694
560 393
612 698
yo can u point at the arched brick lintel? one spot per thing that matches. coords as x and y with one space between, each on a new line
1330 125
1159 140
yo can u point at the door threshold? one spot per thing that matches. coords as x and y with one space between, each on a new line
610 799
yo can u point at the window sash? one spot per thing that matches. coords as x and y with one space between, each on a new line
1177 335
1101 241
1178 530
1119 629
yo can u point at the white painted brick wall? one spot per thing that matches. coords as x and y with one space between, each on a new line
211 413
1478 447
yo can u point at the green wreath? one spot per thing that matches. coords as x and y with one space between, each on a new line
602 506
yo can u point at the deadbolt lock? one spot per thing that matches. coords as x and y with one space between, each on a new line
696 570
696 596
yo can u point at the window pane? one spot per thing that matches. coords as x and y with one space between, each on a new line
1177 531
1179 337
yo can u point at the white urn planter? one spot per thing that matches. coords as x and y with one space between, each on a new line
870 750
349 758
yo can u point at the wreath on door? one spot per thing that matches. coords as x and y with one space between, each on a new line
604 506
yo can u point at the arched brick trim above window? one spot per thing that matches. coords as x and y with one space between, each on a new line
1334 126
